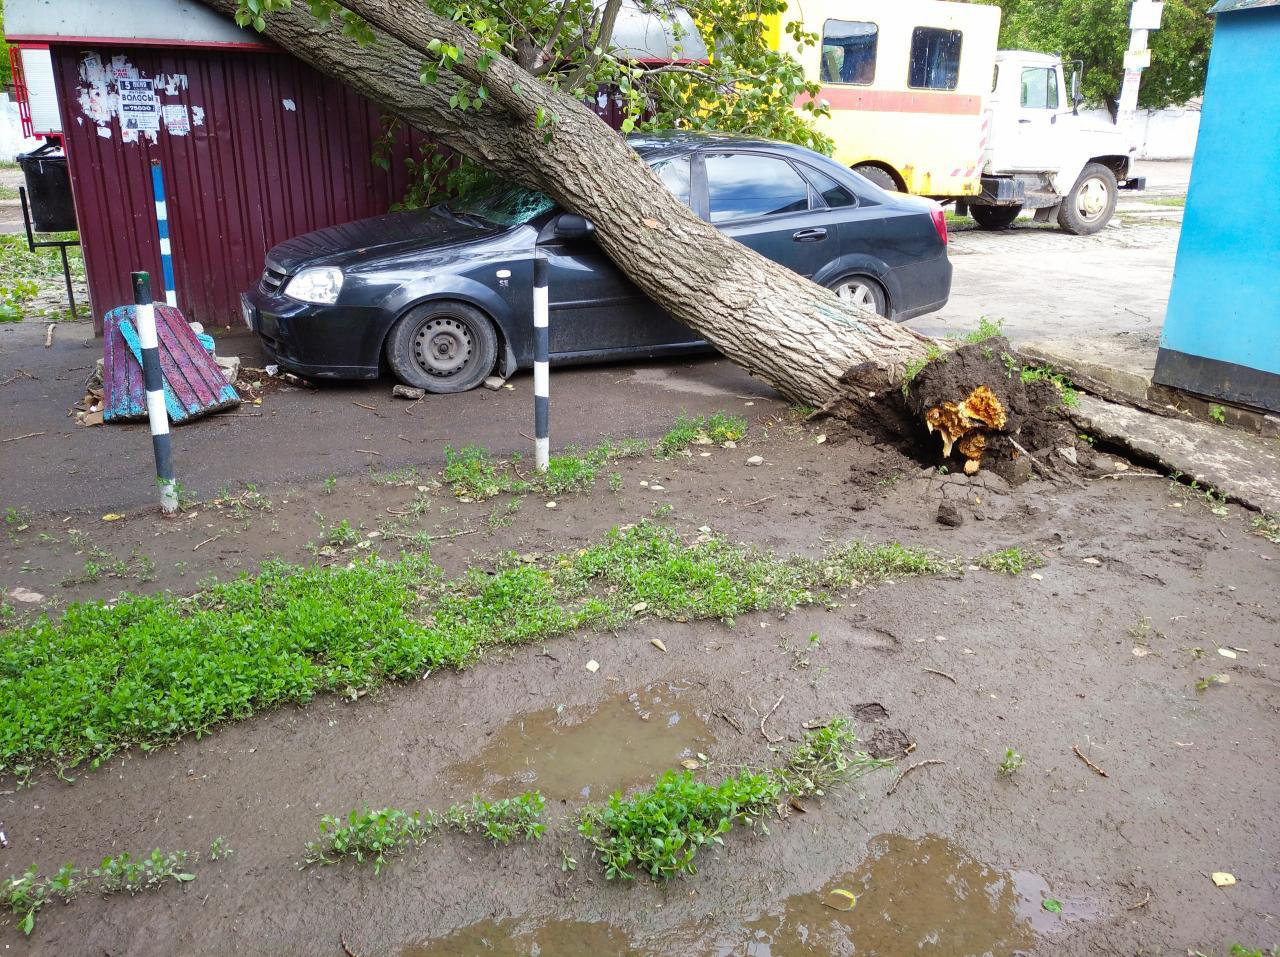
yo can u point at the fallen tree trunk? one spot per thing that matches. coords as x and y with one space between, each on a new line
795 335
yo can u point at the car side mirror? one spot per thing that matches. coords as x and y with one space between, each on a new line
572 227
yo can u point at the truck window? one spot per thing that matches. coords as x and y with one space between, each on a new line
935 59
1040 88
741 185
849 52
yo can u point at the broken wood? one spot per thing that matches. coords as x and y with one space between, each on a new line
48 334
935 671
28 435
1093 767
766 718
919 764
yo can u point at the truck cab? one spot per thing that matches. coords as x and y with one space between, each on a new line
1041 154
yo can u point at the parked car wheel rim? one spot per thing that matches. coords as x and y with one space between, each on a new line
1092 198
443 346
858 293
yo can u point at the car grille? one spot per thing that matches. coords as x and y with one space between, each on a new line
272 279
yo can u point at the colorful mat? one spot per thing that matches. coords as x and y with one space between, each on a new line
193 383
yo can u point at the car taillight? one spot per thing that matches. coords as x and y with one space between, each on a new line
939 222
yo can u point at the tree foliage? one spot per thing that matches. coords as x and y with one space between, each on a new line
1097 32
6 71
743 87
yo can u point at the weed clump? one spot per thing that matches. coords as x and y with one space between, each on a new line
717 428
659 831
1011 561
375 835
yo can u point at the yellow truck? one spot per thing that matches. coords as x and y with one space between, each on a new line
922 101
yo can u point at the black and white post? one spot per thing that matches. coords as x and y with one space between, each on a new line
153 382
541 365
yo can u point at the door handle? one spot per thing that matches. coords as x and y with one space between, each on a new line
1024 121
809 235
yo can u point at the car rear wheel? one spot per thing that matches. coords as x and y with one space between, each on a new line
994 217
878 176
1089 205
863 292
443 347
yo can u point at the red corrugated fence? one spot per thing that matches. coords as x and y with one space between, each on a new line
256 147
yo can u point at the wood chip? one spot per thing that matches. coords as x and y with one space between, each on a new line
935 671
1093 767
657 643
29 435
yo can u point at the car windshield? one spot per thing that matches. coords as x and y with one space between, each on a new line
509 205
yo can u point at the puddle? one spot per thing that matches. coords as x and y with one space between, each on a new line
922 896
573 753
913 896
515 938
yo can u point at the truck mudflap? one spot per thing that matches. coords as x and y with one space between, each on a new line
1001 191
1134 182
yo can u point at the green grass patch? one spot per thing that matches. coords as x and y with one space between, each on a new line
1066 388
475 475
1010 561
717 428
987 329
149 668
659 831
1167 201
367 835
913 367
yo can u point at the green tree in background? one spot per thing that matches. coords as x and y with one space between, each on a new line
6 71
1097 32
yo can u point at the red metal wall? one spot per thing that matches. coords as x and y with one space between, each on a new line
254 173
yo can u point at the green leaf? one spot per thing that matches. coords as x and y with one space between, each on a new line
28 923
1052 905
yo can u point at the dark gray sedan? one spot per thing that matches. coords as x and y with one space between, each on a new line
444 295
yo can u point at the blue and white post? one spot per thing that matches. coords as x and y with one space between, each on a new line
162 225
153 381
541 365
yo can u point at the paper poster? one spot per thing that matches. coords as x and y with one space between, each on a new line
139 105
176 120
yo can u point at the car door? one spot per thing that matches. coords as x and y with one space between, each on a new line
762 201
594 307
1030 140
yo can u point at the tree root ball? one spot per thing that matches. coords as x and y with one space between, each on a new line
966 409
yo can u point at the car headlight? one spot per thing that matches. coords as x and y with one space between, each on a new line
319 284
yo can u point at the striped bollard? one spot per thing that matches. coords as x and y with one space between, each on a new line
153 381
541 365
162 226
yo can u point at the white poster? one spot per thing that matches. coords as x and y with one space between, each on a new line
139 105
176 120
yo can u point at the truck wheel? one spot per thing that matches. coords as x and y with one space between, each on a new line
442 347
994 217
877 176
1092 200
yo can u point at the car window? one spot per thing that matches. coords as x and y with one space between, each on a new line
1040 88
674 174
849 51
740 185
832 192
509 205
935 59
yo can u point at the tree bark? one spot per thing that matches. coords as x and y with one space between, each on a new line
777 325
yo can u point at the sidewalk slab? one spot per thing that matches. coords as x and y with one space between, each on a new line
1245 468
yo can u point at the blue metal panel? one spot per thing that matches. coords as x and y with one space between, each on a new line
1225 300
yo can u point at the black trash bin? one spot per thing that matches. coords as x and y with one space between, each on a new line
48 190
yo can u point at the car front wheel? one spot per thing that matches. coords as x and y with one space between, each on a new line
862 292
442 347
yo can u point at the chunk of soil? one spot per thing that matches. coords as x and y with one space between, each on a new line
967 409
888 743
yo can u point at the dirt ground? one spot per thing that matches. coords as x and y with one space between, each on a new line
1093 652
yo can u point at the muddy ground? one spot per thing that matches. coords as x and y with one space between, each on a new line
1093 654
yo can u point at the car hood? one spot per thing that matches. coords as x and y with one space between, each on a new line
378 237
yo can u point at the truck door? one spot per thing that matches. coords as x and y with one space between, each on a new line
1025 131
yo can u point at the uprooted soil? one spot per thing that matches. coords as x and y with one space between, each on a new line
1100 651
966 407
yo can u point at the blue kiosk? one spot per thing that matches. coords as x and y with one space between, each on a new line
1221 334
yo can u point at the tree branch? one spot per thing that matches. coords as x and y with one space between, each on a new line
603 38
543 61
